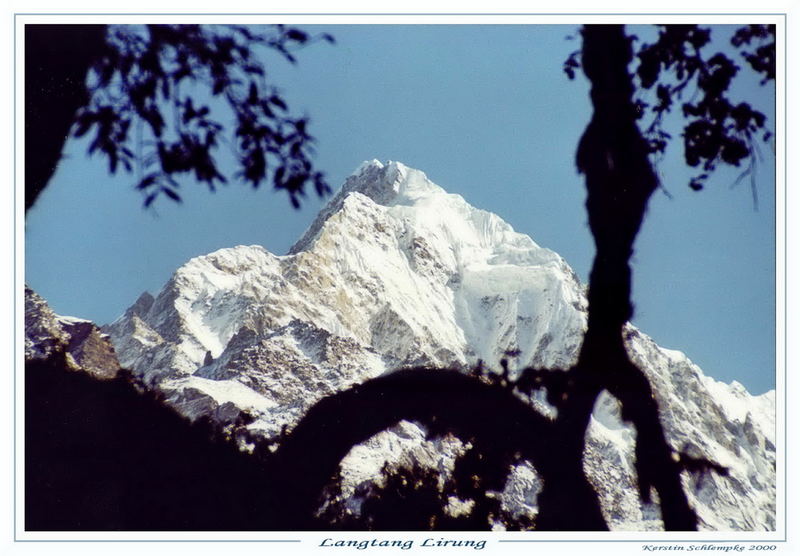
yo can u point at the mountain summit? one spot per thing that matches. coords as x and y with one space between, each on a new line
397 272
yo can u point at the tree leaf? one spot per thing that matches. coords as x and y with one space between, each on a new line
171 194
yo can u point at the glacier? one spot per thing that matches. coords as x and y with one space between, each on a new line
396 272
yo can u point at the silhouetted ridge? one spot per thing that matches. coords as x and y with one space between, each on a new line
102 455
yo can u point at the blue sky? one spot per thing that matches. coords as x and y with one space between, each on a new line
487 113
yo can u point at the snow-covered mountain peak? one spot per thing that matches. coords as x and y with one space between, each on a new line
391 183
385 185
395 272
458 234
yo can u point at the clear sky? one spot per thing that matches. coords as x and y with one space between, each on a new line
486 112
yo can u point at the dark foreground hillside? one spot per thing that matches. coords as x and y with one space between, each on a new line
99 455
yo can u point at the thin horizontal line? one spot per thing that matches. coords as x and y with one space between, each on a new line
651 541
156 540
340 14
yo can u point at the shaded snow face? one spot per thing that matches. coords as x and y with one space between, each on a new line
396 272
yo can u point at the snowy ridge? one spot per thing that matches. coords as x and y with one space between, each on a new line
395 272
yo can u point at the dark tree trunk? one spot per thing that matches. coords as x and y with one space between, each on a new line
613 156
57 60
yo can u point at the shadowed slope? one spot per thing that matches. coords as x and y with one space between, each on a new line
101 456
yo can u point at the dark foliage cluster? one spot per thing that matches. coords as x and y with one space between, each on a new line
718 129
676 67
154 74
762 56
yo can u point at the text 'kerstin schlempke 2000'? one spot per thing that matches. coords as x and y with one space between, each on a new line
403 544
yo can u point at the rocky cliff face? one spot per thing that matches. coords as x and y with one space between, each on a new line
85 347
396 272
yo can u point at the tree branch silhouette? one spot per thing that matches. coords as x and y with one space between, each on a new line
100 80
442 400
